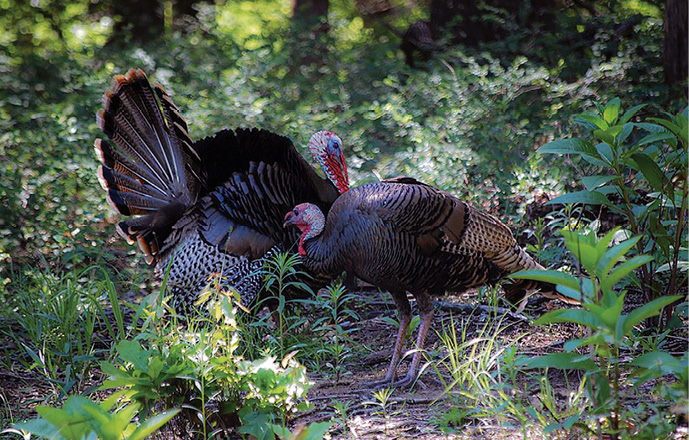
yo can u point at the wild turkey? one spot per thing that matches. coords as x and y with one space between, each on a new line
174 187
404 236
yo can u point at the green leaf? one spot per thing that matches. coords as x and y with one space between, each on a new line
629 114
593 182
605 152
563 361
41 428
585 197
659 360
594 160
131 351
613 255
654 137
652 308
670 125
623 270
592 121
152 424
612 111
583 317
626 131
651 171
548 276
568 146
607 315
604 136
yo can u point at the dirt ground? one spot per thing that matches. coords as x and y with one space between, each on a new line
415 413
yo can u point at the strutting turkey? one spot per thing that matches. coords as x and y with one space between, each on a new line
405 236
175 188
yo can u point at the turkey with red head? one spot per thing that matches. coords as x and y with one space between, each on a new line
405 236
173 188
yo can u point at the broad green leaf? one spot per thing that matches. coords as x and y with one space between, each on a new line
594 160
613 255
573 344
623 270
131 351
604 242
612 111
608 315
583 317
152 424
41 428
568 146
650 127
604 136
629 114
670 125
563 361
626 131
651 171
605 152
585 197
587 255
660 360
593 182
590 120
585 290
652 308
654 137
548 276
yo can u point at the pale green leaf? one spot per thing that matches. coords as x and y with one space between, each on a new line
585 197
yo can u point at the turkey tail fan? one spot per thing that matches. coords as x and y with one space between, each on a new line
149 168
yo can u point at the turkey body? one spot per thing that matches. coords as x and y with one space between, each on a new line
175 191
405 236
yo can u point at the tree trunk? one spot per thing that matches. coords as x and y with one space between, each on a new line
139 20
675 45
309 26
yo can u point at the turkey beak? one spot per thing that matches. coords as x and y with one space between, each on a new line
289 219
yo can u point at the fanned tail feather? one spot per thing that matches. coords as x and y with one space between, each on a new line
150 168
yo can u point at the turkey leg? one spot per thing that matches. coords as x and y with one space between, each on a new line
425 305
404 316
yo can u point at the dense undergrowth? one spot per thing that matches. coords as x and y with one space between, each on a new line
470 122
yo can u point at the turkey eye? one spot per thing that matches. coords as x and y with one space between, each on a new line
296 211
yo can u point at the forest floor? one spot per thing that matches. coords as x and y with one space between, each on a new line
423 412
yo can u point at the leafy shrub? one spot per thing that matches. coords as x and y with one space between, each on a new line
642 178
200 369
611 332
81 418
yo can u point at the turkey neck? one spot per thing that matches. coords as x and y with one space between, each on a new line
323 255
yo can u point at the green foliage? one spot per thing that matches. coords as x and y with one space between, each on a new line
200 369
60 320
610 330
642 178
330 327
81 418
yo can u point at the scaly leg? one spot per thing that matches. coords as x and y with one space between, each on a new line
425 305
404 316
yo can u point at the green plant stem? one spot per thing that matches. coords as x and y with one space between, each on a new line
633 225
678 242
615 419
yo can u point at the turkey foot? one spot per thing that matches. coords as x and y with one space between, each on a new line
405 382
